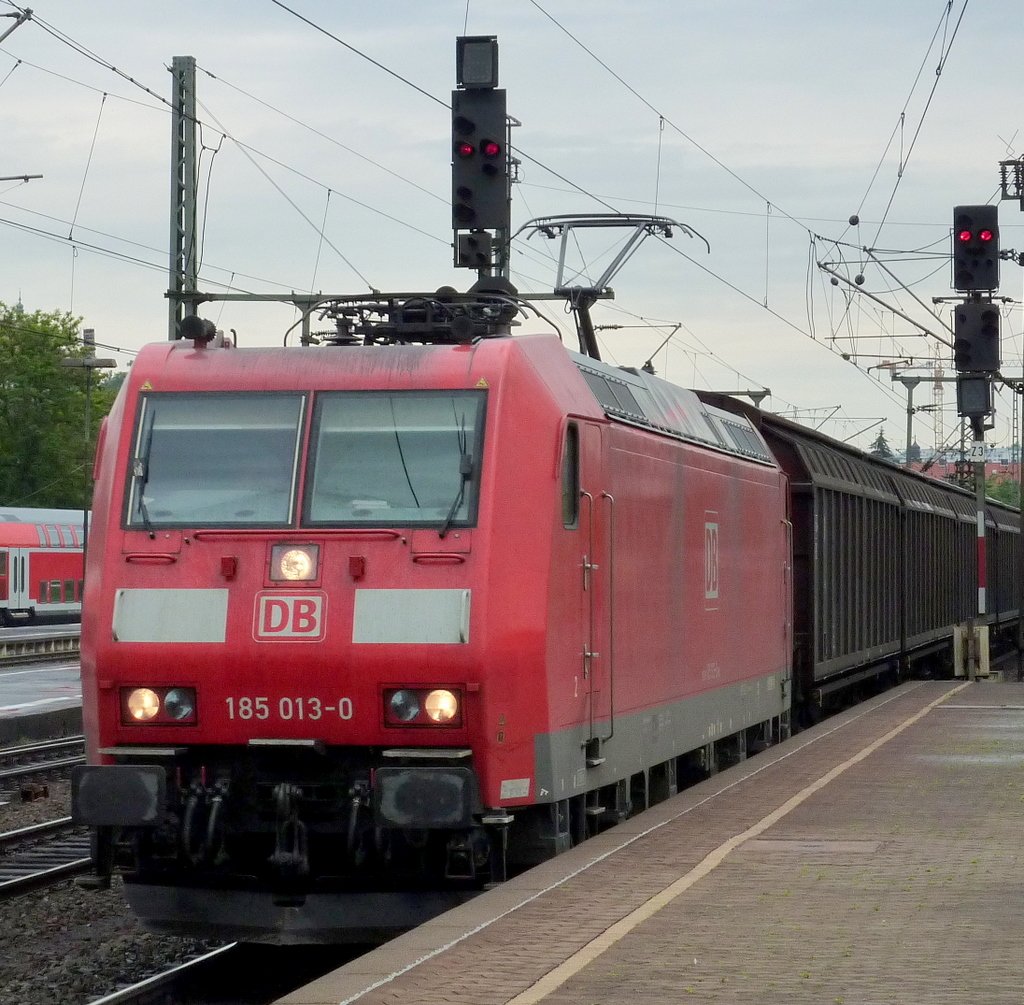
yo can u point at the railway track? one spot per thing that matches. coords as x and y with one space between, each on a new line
41 855
172 984
233 973
41 757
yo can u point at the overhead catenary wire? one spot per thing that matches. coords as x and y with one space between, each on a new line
808 327
291 202
88 163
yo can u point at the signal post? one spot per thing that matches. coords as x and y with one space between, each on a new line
976 356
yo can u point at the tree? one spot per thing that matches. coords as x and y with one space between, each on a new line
881 448
44 455
1003 489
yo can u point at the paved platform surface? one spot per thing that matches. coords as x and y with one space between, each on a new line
39 700
873 859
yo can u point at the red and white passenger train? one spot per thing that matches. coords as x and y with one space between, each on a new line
40 563
366 624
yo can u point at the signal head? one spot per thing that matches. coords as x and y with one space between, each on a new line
480 180
975 248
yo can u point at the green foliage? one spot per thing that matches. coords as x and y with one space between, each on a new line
881 448
44 457
1003 489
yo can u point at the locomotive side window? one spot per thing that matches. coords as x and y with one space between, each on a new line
215 460
571 477
395 458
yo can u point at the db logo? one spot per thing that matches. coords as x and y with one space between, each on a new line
289 617
710 559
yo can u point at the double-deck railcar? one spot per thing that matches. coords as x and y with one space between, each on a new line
367 625
40 563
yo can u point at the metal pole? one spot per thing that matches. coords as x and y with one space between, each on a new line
978 452
1020 537
911 383
88 469
87 363
183 277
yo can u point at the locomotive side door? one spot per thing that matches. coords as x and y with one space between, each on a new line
596 544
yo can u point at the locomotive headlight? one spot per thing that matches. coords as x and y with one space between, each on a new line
180 703
294 563
404 705
158 706
441 705
143 704
423 707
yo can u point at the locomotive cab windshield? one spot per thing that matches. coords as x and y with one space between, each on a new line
405 458
402 457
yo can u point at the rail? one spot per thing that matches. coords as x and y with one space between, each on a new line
39 856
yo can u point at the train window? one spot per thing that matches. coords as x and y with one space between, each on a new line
405 458
3 563
215 460
571 477
69 590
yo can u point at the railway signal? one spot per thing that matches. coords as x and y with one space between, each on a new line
975 248
479 160
474 249
974 399
976 337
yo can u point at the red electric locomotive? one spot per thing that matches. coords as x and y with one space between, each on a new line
40 563
369 622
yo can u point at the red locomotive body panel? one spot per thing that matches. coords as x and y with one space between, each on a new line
583 604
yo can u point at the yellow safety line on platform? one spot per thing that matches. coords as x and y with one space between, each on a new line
593 949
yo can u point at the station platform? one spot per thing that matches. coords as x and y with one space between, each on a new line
39 701
872 859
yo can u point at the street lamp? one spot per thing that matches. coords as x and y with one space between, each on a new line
87 363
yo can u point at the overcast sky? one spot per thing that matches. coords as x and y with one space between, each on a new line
325 165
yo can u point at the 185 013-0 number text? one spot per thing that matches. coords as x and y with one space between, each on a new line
287 708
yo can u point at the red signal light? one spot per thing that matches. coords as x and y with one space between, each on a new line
964 236
490 148
464 149
985 235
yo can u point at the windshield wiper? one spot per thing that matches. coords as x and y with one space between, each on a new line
465 473
140 471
